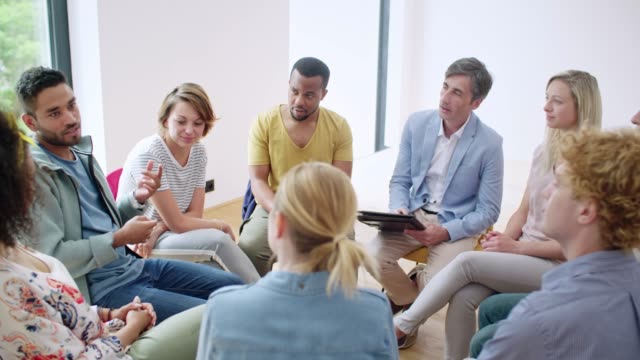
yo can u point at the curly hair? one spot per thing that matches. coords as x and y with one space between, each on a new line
605 166
16 183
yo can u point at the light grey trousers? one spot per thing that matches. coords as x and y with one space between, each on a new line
470 278
227 252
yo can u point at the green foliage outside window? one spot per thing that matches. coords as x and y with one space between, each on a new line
22 45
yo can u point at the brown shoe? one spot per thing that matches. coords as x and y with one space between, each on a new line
413 274
395 308
408 340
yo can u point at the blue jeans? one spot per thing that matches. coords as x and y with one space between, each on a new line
171 286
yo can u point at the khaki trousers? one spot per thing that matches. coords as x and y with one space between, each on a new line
389 247
253 240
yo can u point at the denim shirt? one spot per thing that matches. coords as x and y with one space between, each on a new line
290 316
588 308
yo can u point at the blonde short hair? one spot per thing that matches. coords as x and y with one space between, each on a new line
192 94
605 166
320 207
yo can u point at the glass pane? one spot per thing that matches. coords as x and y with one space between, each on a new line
24 42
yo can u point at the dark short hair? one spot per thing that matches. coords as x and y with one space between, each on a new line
33 81
481 80
310 67
17 186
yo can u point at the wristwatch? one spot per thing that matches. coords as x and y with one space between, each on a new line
136 205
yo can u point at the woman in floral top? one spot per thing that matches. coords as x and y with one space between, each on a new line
42 313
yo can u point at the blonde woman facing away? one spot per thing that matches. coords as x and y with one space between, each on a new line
516 259
185 117
310 307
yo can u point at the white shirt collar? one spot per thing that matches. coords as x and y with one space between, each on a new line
458 133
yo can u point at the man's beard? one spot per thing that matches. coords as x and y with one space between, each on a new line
302 118
56 140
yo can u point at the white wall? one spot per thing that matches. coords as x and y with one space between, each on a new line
343 34
128 55
86 71
237 50
405 68
523 44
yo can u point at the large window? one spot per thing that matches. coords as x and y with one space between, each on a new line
347 36
32 32
24 42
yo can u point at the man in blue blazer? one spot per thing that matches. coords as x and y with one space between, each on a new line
449 175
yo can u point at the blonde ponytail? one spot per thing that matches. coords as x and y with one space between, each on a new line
320 206
344 262
341 257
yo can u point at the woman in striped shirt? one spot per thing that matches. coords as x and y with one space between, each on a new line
185 117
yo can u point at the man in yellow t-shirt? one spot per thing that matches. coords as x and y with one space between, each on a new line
286 136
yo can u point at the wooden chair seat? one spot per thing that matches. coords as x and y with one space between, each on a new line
421 255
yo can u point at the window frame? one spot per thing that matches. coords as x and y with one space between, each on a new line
59 37
383 59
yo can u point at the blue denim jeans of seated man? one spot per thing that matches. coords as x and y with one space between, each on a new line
171 286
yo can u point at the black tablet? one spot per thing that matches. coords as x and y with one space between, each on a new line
389 221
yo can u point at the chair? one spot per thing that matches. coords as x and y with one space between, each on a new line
248 203
192 255
113 179
421 255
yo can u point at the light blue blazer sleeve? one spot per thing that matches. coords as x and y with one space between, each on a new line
474 180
